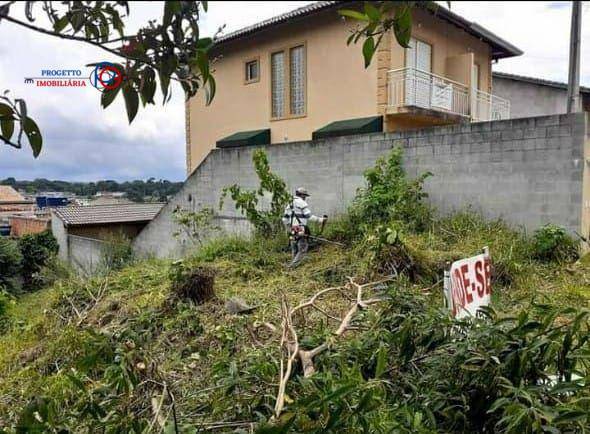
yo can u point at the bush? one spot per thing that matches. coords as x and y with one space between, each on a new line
117 252
417 370
551 243
265 219
10 264
37 250
5 302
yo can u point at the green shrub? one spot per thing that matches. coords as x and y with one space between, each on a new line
265 219
10 264
417 370
117 252
390 196
551 243
5 301
37 250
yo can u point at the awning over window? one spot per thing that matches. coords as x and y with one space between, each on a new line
373 124
245 138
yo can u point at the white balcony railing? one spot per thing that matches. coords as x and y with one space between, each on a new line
413 87
488 107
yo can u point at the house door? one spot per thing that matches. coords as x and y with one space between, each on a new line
418 62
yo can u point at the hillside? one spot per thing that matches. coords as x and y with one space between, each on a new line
120 336
122 352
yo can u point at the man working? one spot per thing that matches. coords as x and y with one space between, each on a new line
296 217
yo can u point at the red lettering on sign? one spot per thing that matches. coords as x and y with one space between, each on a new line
466 283
479 276
488 274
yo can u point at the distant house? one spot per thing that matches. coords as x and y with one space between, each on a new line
12 202
293 78
82 231
530 96
21 225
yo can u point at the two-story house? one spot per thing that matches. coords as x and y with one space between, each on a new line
293 78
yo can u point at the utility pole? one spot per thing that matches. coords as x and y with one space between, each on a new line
573 81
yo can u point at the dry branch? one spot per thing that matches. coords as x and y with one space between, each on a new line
289 345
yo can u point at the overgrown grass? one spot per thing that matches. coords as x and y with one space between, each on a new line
120 353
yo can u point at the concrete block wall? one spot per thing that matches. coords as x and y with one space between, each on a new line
85 254
528 171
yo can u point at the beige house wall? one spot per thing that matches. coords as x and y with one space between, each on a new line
338 85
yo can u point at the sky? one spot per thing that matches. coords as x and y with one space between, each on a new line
82 142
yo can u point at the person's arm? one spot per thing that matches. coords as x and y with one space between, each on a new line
311 217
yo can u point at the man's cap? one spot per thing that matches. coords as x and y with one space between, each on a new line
301 191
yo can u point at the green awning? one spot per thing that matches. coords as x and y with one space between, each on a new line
245 138
373 124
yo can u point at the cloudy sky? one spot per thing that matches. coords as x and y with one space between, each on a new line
83 142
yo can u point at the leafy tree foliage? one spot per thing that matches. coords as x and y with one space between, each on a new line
136 190
10 264
171 49
377 18
36 250
266 219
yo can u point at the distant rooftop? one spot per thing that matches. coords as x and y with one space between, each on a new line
9 194
108 214
534 80
500 47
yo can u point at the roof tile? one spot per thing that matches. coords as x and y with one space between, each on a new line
106 214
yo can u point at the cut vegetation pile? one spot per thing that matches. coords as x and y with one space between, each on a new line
123 352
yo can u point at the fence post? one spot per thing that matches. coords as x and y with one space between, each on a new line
447 286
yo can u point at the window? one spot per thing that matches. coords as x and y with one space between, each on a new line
252 71
297 80
288 82
418 55
278 84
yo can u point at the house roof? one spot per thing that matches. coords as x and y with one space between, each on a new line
9 194
108 214
538 81
500 47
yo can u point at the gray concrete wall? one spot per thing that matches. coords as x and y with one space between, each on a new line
85 254
60 233
528 171
529 99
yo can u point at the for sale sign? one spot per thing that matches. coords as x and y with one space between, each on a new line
470 285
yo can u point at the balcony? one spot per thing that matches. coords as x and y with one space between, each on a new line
427 96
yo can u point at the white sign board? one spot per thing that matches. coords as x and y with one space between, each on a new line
469 285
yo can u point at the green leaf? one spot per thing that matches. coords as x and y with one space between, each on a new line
210 90
203 64
381 362
131 101
571 416
33 135
60 24
7 128
108 96
402 26
353 14
170 8
5 110
77 20
372 12
368 50
205 5
148 88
